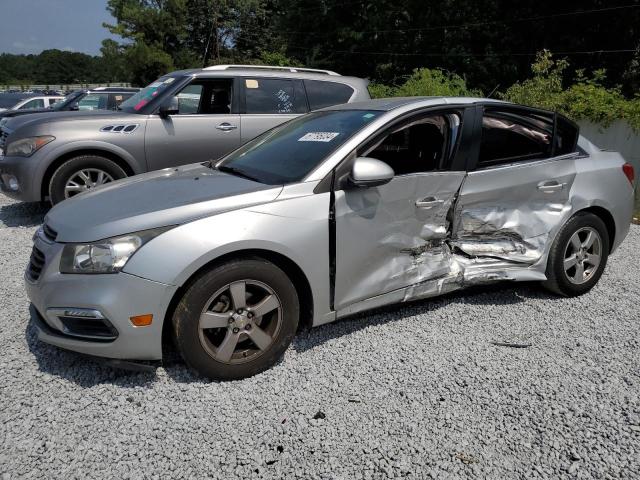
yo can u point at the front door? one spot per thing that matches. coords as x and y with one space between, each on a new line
392 236
205 127
518 193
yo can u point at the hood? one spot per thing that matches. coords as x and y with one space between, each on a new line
156 199
13 123
18 113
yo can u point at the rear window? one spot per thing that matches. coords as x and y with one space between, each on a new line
273 95
325 94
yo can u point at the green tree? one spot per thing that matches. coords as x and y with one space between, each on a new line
155 34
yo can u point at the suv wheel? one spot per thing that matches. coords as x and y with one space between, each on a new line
237 319
80 174
578 255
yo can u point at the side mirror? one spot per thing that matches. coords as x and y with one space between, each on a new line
369 172
169 107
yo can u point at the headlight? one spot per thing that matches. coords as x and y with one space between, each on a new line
105 256
28 146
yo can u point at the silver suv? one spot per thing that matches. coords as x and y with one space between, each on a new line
184 117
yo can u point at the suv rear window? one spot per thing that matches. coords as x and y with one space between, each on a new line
325 94
273 95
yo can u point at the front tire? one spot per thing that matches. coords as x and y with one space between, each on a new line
578 255
237 319
80 174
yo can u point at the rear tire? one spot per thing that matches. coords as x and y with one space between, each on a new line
237 319
578 255
80 174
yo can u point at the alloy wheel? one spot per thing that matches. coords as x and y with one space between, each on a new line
240 321
582 255
84 180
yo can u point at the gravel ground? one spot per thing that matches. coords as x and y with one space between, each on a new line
416 391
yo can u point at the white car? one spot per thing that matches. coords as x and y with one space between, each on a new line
32 103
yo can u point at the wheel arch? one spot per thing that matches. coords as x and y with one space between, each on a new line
55 164
291 269
606 216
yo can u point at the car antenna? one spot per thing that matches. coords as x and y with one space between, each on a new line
493 91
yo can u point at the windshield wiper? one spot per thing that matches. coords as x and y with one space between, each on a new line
237 172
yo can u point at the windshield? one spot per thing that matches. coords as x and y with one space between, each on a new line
290 152
146 95
65 103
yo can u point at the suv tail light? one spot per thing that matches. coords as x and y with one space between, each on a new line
627 169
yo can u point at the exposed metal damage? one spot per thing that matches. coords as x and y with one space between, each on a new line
481 252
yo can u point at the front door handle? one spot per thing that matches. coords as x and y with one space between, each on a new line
550 186
428 202
226 127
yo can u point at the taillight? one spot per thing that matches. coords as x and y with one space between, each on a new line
627 169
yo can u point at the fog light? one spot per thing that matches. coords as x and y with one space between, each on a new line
13 183
142 320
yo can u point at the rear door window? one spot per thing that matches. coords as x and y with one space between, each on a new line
325 94
509 136
273 95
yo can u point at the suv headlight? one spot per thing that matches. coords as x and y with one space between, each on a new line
105 256
25 147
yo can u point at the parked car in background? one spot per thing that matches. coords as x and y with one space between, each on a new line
340 211
100 98
183 117
27 103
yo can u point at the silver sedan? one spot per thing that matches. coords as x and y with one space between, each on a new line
339 211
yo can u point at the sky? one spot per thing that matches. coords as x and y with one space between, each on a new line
30 26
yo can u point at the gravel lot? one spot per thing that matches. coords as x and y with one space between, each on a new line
416 391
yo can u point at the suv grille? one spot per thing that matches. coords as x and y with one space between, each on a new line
36 264
49 233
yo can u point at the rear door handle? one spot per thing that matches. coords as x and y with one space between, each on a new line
428 202
550 186
226 127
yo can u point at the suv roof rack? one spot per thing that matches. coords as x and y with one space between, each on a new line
268 67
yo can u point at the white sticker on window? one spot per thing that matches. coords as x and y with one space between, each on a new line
318 137
251 83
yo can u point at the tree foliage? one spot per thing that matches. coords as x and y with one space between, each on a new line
426 82
586 98
404 46
54 67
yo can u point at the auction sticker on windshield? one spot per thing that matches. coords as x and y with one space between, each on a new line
318 137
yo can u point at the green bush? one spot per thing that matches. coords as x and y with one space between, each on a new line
426 82
585 99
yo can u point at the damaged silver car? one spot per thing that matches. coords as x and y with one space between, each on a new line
339 211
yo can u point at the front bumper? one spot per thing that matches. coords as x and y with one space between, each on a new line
116 296
24 171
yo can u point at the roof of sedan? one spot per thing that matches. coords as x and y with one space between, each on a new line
387 104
